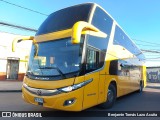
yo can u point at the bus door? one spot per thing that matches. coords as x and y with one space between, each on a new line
91 90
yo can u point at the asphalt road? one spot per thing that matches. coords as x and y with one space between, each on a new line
148 100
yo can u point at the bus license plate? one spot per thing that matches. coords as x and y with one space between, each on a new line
39 100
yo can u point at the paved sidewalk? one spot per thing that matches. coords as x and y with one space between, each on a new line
156 85
10 86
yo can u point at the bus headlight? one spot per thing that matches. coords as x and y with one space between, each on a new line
66 89
76 86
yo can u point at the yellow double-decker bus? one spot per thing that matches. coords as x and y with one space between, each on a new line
80 58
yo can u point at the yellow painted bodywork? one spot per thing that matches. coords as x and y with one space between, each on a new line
82 27
93 93
54 35
55 101
125 84
144 75
48 84
86 96
75 33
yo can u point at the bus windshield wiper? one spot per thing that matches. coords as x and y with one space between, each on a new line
61 73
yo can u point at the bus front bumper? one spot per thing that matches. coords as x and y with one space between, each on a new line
71 101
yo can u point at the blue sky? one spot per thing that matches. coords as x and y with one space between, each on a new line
139 18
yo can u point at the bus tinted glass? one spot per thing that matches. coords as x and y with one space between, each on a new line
120 38
65 18
54 56
102 21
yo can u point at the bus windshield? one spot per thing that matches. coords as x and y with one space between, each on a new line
55 59
65 18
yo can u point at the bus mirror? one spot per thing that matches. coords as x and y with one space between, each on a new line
82 27
19 39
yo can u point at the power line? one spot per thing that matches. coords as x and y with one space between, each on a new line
152 58
146 42
23 7
1 31
18 26
152 54
151 51
149 45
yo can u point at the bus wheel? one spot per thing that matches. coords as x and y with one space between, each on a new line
111 97
141 86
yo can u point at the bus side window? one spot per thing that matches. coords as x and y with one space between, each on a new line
113 69
92 61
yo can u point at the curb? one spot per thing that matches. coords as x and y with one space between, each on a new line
10 90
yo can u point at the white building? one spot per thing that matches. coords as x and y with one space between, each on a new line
13 65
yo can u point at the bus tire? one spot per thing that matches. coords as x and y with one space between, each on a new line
141 87
111 97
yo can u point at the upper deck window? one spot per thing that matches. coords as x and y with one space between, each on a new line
120 38
65 18
104 23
